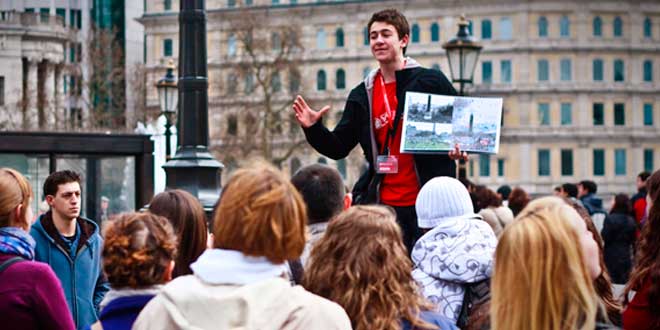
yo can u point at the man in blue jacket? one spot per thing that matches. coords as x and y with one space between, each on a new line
72 246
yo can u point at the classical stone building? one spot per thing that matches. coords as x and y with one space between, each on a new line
580 80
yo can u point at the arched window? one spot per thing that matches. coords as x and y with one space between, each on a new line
435 32
486 29
340 79
320 80
618 27
648 71
619 70
231 45
648 28
339 37
275 82
564 27
249 83
543 26
598 69
415 33
320 39
598 26
232 125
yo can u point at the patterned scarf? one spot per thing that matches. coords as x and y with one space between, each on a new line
17 241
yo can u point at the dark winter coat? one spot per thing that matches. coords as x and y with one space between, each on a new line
618 235
355 125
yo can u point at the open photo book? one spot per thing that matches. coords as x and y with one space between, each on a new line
435 123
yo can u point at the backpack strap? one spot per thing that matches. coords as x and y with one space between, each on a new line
10 262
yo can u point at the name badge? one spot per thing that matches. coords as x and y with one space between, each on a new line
387 164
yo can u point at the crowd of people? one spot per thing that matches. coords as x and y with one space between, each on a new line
550 267
409 248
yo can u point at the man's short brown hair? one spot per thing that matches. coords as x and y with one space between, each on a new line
261 214
393 17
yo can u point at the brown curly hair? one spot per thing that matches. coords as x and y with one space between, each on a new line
137 250
361 264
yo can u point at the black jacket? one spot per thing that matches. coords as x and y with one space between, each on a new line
355 125
618 235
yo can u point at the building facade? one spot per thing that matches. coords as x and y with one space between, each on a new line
579 80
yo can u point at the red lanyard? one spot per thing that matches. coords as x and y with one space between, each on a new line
388 109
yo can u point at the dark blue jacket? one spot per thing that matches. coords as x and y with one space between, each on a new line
592 203
434 318
82 278
120 313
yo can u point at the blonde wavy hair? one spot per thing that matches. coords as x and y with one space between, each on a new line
361 264
15 190
261 214
540 280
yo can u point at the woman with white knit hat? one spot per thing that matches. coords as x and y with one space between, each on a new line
456 251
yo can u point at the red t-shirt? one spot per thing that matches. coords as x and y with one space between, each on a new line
398 189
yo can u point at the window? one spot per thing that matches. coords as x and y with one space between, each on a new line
486 29
506 28
648 160
544 114
339 38
620 162
340 79
471 167
320 80
29 10
435 32
598 114
598 69
648 114
232 125
275 2
486 72
619 114
648 71
566 113
648 28
167 4
248 2
61 13
75 117
231 3
564 27
415 33
597 27
231 45
249 83
320 39
500 167
599 162
618 27
366 71
543 70
44 13
167 47
544 162
484 165
2 90
543 26
294 81
618 70
276 82
505 71
276 41
566 162
366 36
565 66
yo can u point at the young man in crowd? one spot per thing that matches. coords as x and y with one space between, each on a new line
372 117
324 194
71 245
639 199
587 195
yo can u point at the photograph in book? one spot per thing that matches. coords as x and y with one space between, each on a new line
435 123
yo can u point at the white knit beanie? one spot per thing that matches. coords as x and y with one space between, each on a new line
440 199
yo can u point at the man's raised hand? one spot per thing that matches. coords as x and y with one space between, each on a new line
305 115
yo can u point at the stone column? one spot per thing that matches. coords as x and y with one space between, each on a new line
59 106
49 96
31 113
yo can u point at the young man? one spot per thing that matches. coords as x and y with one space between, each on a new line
71 245
324 194
638 200
372 118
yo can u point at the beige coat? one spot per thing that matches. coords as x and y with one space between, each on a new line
189 303
497 218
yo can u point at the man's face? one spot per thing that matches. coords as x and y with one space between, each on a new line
581 191
385 43
640 183
66 202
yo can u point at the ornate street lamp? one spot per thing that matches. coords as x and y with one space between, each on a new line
462 54
168 98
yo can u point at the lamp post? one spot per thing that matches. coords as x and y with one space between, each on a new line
193 168
168 97
462 54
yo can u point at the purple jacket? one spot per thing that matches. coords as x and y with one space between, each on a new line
31 297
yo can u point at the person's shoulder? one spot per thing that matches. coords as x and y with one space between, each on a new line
314 302
34 271
437 319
